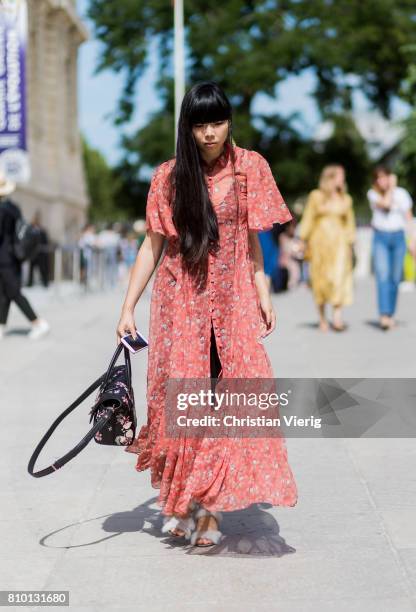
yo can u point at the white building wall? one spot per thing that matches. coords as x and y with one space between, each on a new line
57 187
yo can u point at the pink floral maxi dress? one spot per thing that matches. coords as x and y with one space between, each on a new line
221 474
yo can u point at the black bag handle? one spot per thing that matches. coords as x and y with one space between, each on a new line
98 425
113 362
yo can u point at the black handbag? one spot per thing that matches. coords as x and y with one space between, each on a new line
26 243
113 413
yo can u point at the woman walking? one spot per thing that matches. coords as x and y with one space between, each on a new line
11 268
210 306
328 229
392 208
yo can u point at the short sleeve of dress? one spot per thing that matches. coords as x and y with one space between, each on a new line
158 208
265 204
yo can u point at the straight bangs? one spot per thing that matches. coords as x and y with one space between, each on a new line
208 107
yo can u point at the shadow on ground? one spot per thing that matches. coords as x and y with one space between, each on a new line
251 532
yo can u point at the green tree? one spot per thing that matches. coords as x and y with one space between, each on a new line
249 47
131 193
406 165
101 184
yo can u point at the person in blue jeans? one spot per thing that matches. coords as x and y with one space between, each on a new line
270 252
392 208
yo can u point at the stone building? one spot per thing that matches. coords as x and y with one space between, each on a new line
57 186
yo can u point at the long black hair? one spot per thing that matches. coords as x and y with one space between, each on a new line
193 214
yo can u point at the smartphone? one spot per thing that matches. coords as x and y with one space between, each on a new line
135 345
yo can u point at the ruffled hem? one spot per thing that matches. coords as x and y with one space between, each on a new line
153 449
176 473
140 446
168 509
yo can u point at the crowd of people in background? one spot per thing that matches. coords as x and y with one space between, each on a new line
317 248
113 247
116 244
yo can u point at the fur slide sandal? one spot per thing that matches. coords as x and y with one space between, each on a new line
210 534
185 524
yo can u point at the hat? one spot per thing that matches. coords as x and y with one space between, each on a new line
6 187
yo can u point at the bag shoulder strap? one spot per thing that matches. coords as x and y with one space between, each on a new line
88 437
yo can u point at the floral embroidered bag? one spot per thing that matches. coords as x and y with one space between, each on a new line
113 414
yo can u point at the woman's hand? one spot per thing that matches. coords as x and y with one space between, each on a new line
126 325
385 201
269 316
256 255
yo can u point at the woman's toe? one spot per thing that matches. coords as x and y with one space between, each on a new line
177 532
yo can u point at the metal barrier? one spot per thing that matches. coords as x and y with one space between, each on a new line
87 269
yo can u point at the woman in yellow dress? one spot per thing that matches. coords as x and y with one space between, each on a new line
328 231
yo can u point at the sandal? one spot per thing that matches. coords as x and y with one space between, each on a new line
187 525
209 534
338 328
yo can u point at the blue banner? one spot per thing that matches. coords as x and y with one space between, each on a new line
14 158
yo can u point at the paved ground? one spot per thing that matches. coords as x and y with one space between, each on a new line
93 528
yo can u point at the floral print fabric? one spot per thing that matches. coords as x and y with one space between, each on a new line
219 473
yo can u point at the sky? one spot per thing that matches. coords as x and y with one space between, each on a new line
98 95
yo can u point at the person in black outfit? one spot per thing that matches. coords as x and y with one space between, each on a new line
11 267
41 259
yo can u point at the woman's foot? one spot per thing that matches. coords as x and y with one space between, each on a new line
385 322
178 526
40 327
323 325
206 532
206 523
337 322
339 327
175 531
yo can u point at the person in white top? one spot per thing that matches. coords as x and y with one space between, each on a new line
392 209
109 241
